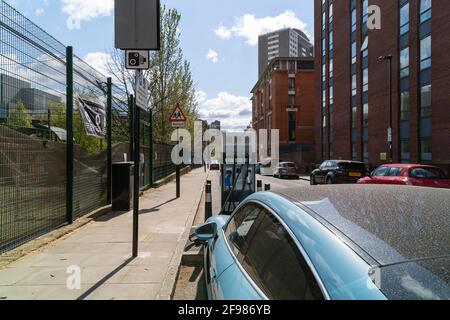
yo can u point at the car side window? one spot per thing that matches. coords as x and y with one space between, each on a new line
274 262
380 172
394 172
238 228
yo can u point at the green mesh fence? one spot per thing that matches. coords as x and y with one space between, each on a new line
32 150
33 135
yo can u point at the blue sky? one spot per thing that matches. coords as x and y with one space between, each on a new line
218 38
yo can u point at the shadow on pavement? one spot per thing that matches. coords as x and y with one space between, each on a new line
103 281
156 208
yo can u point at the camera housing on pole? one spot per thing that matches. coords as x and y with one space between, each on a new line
137 59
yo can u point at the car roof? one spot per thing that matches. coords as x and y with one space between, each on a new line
392 224
408 166
346 161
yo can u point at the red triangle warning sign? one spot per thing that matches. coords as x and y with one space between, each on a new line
177 115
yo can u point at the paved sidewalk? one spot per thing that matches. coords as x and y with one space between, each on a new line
102 251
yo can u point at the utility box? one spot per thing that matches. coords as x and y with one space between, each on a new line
122 189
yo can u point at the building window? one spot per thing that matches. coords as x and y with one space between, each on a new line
354 20
404 106
425 150
292 127
291 84
404 63
404 19
365 80
366 152
354 152
354 85
365 115
425 97
425 10
404 150
425 53
291 100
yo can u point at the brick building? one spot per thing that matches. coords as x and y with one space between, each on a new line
283 98
352 91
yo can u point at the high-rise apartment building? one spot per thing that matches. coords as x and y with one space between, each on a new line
353 62
286 43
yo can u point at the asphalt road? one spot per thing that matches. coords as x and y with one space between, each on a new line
277 184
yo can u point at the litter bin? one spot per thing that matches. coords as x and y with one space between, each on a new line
122 189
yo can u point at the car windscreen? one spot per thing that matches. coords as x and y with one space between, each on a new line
427 173
419 280
352 166
289 165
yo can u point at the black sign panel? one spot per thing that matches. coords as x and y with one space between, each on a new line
94 118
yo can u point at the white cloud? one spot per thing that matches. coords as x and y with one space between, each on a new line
99 61
85 10
234 112
223 33
213 56
250 27
39 12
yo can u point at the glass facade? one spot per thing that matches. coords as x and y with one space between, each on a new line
354 84
425 63
404 92
365 79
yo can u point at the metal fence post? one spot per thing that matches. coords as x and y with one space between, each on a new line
109 137
69 125
151 149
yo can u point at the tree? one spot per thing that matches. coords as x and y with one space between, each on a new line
19 117
169 76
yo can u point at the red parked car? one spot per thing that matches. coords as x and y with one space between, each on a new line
408 174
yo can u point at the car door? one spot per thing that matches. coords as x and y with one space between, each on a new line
227 280
321 173
274 262
393 176
378 176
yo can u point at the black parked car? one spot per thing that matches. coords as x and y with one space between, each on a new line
338 172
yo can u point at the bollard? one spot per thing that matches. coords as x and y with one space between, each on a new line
208 200
259 186
267 187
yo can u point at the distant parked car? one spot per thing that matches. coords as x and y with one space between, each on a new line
214 166
338 172
286 170
408 174
320 243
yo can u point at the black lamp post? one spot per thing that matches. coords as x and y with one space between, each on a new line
390 140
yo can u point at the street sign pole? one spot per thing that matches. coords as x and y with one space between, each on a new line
137 30
178 120
178 172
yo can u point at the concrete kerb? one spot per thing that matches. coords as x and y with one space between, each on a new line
168 287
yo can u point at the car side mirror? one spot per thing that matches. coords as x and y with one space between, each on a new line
206 232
